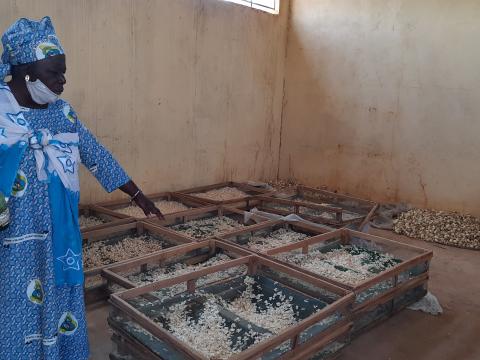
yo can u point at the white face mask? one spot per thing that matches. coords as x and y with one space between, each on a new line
40 92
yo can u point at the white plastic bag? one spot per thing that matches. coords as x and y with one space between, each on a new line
292 217
428 304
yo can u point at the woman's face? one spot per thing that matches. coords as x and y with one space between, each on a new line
50 71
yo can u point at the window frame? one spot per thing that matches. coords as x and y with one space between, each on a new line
251 4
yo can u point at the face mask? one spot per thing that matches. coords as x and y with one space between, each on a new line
40 92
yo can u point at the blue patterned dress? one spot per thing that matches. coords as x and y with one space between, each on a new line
39 320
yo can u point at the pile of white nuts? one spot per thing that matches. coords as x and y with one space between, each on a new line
207 227
88 221
166 207
275 239
441 227
99 253
348 264
222 194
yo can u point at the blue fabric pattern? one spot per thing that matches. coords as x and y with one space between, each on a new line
97 159
27 41
10 157
41 320
57 158
66 237
5 70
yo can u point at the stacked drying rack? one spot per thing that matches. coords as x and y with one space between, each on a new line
333 311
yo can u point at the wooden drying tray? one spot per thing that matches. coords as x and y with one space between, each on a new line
109 219
110 208
240 237
415 264
190 254
205 212
365 208
335 216
138 228
256 266
243 201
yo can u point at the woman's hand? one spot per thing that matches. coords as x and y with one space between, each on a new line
148 206
141 200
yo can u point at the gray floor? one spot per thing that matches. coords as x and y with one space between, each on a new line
98 332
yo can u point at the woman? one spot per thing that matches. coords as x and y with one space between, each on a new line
41 144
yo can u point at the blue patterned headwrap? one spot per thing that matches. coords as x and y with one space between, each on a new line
28 41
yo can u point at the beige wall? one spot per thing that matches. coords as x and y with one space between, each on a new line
184 92
383 99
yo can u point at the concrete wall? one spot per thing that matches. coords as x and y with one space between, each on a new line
383 99
184 92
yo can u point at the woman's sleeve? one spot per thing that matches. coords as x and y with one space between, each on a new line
99 161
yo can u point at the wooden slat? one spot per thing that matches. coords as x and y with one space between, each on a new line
241 186
229 237
305 277
113 273
219 211
141 259
111 207
289 202
338 221
95 294
110 220
170 218
117 279
303 188
156 229
163 254
251 228
390 294
124 229
318 342
391 272
130 294
154 328
126 201
103 233
222 185
269 344
339 305
127 344
368 217
307 242
230 248
316 275
424 256
382 240
111 212
86 230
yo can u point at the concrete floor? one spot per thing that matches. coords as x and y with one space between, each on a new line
409 335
